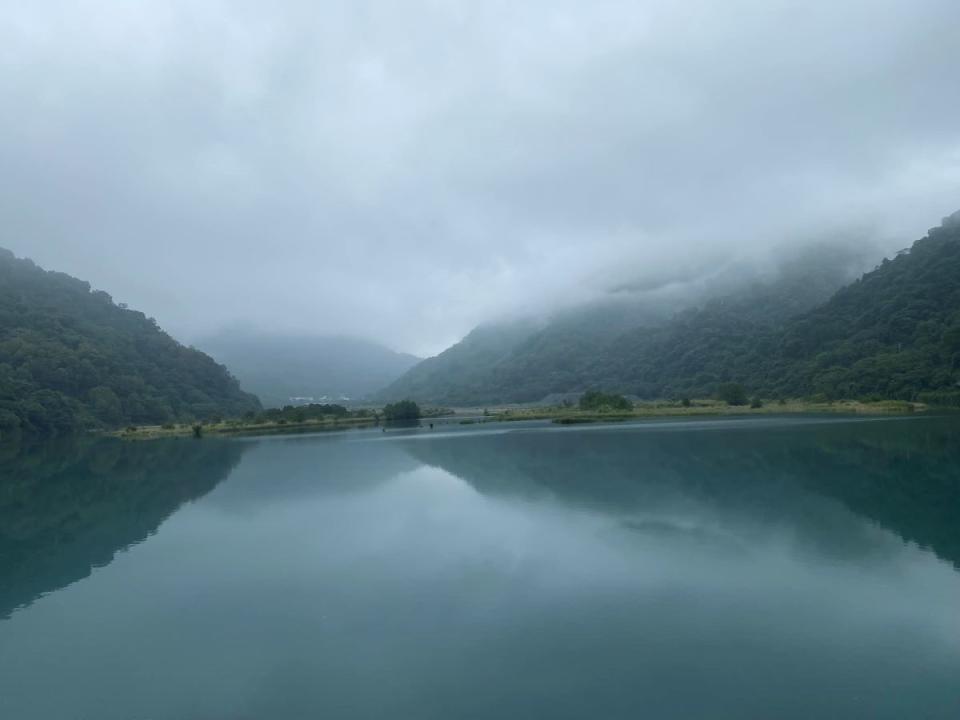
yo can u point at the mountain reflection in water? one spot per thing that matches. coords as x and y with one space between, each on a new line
772 567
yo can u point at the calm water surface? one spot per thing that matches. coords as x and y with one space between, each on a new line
758 568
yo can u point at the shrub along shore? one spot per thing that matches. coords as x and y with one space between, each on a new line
568 415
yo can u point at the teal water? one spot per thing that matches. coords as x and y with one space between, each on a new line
751 568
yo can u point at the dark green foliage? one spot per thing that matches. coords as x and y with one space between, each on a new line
756 403
732 394
728 339
641 348
894 334
945 398
460 372
402 410
685 402
602 402
522 361
575 420
303 413
71 359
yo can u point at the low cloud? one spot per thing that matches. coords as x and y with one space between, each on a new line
404 171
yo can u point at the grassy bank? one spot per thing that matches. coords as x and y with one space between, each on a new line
560 415
696 408
239 427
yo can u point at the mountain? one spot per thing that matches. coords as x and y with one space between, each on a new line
558 357
71 359
892 334
281 367
895 333
459 373
728 338
631 345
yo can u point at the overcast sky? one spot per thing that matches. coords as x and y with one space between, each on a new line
404 170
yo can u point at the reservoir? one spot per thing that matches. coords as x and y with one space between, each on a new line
767 567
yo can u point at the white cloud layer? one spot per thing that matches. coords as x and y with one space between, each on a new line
405 170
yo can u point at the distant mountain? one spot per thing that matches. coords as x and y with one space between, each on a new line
619 345
557 358
460 373
281 367
70 359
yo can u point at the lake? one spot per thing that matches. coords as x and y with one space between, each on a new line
726 568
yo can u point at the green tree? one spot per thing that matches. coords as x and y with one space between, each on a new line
71 359
106 405
732 394
597 401
402 410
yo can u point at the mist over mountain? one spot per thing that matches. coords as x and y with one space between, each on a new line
324 169
409 171
292 369
601 344
461 372
892 334
479 359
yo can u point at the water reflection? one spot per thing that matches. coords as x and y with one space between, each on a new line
667 570
69 506
903 475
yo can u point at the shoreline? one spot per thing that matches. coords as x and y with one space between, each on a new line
709 408
559 415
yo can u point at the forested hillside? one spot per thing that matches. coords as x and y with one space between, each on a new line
560 355
732 338
892 334
460 372
70 359
895 333
652 348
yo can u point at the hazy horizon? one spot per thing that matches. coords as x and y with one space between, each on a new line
404 173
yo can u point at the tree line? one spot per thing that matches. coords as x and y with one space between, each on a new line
71 359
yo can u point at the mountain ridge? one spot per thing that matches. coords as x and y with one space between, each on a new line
280 368
71 359
593 347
